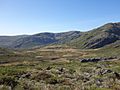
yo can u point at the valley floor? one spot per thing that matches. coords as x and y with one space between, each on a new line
59 68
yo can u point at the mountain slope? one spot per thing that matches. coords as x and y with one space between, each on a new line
40 39
6 41
96 38
100 37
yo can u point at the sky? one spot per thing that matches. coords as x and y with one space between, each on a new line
34 16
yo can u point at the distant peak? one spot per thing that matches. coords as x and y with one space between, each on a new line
112 24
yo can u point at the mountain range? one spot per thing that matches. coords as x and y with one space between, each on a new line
106 35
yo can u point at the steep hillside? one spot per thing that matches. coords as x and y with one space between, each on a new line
100 37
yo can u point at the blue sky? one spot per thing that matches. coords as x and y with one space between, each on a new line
35 16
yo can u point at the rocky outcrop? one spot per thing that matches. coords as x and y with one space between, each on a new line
96 59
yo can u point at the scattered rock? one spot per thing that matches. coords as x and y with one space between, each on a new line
48 68
3 62
117 75
61 69
26 75
105 71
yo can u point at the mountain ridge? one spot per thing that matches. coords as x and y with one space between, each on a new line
96 38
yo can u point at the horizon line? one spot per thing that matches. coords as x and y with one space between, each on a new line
55 32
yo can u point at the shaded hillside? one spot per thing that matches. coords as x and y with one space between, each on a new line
40 39
34 40
6 41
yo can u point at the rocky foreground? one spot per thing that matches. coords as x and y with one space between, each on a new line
71 75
